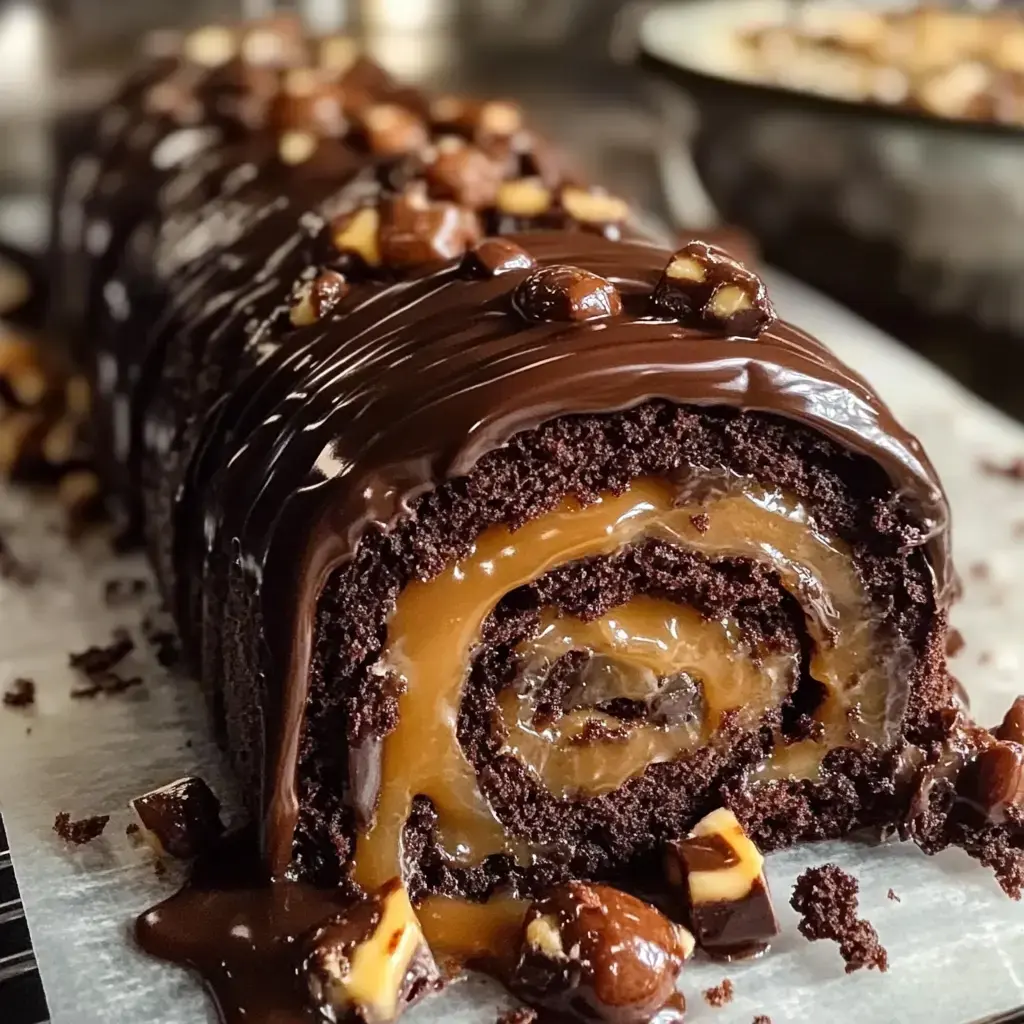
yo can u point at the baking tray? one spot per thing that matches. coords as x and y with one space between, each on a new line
956 944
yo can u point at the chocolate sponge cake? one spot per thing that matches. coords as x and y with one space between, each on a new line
507 542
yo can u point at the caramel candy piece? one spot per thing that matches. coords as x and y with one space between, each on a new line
703 286
594 207
1012 726
357 234
495 256
370 962
416 231
392 130
564 293
181 819
315 299
600 954
459 171
718 874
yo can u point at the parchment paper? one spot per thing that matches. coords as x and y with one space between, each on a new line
956 944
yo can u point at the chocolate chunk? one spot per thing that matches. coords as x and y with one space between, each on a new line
718 875
826 899
994 780
720 995
495 256
1012 726
181 819
315 299
82 831
597 953
20 694
417 232
370 962
703 286
563 293
392 130
456 170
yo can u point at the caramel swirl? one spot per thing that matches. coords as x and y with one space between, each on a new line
435 630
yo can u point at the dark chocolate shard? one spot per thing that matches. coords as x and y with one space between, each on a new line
181 819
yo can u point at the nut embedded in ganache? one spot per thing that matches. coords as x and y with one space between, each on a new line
492 257
370 962
599 954
358 234
416 231
564 294
315 299
703 286
717 874
593 207
455 169
181 819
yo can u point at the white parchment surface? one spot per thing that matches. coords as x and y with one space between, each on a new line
956 944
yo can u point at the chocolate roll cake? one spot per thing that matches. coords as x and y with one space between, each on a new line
507 543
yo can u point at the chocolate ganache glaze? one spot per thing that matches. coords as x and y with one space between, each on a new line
351 419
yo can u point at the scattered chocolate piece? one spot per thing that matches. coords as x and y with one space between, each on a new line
416 231
108 683
703 286
701 522
826 899
720 995
520 1015
97 660
563 293
1012 470
370 962
20 694
892 896
955 643
314 299
77 833
123 590
181 819
132 829
717 875
594 952
463 173
762 1019
14 569
495 256
1012 726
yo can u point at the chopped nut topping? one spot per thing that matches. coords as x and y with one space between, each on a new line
525 197
542 935
316 298
358 233
593 207
296 147
210 46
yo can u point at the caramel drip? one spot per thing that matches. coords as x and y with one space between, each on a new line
639 643
435 629
472 931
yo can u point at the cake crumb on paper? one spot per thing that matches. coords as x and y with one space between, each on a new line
82 831
720 994
892 896
20 694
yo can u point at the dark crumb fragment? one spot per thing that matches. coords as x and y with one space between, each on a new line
163 640
108 683
14 569
701 522
20 694
762 1019
826 899
720 995
122 590
1012 470
94 661
892 896
522 1015
131 829
85 830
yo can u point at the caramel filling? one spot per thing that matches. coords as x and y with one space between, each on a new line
436 625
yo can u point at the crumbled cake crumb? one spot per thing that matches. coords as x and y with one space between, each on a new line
98 659
892 896
701 522
522 1015
20 694
85 830
826 899
1012 470
762 1019
107 683
131 829
720 994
